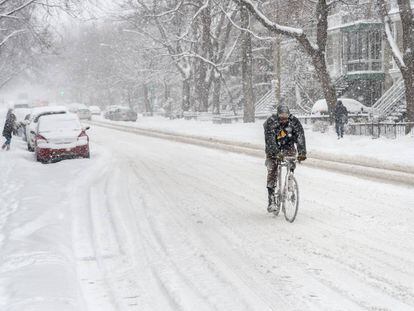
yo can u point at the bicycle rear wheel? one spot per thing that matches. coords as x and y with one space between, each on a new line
291 201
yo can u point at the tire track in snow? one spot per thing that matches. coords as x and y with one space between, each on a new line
95 287
189 288
235 263
284 276
8 202
297 257
333 258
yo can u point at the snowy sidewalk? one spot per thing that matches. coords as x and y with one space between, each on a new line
38 265
392 154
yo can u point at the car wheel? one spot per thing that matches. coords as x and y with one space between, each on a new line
39 159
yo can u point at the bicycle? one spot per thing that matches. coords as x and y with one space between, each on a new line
286 194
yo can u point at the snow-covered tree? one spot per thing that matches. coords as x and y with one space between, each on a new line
404 56
314 45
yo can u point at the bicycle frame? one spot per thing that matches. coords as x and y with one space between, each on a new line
287 162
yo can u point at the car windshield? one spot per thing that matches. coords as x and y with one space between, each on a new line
59 125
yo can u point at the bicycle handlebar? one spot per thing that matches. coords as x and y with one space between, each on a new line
290 158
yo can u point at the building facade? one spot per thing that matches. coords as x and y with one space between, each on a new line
358 56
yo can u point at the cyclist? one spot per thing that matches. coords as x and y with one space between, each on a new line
282 132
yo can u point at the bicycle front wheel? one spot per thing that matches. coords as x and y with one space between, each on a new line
291 202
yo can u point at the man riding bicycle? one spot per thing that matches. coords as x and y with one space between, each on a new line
282 131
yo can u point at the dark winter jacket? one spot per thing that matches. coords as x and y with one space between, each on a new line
283 137
341 114
9 126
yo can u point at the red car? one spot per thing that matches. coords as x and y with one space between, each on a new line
60 136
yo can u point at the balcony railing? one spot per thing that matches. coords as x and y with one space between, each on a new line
364 65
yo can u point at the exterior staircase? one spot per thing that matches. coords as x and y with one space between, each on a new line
392 105
342 85
265 105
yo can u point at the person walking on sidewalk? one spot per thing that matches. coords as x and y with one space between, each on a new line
341 118
8 129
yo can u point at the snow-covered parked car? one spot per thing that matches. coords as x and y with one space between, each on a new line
120 113
84 113
32 120
95 110
81 110
353 106
60 136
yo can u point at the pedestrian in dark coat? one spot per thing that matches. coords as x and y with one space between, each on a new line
9 127
341 118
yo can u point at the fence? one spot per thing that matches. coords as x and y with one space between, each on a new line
389 130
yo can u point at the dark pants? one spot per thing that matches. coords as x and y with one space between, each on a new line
272 164
339 126
8 140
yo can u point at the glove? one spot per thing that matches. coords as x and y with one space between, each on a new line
279 156
301 157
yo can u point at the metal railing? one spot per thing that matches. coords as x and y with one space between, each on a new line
263 104
378 129
390 98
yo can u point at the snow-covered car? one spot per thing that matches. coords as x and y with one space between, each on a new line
60 136
95 110
120 113
81 110
22 105
353 106
109 110
84 114
31 122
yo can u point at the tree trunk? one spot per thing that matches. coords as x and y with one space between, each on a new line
277 69
216 94
185 105
166 90
246 50
406 65
147 103
408 77
202 81
407 22
318 60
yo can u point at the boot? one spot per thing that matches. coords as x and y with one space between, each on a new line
8 147
3 147
271 197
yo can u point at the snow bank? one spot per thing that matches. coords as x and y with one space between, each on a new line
38 266
354 149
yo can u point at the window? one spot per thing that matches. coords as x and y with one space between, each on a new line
364 50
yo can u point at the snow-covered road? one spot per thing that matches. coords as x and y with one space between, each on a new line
160 225
182 227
